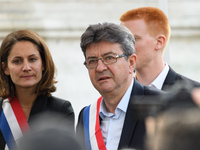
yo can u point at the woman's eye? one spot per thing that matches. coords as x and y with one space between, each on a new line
16 61
33 59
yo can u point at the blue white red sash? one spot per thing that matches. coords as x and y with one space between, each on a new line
13 123
93 135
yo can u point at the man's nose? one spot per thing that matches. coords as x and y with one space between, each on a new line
100 65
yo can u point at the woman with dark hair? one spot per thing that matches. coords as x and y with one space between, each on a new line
27 78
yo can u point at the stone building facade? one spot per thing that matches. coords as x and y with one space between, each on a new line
61 23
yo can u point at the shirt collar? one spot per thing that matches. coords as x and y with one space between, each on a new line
121 107
158 82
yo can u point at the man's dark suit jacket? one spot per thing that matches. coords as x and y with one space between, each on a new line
52 105
174 78
133 131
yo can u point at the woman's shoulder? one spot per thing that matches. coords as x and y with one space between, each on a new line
59 104
57 100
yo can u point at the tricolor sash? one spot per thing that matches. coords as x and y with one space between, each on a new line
93 135
13 123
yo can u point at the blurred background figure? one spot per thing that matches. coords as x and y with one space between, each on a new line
196 96
172 120
176 129
49 134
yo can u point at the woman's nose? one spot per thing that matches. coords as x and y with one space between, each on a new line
26 66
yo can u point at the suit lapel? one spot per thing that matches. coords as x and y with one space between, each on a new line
130 121
39 105
170 79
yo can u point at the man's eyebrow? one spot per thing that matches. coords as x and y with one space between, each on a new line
109 53
105 54
91 57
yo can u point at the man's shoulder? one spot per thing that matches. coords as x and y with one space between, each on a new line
141 89
152 91
189 81
177 78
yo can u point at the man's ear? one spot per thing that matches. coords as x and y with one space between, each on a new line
5 69
132 63
161 39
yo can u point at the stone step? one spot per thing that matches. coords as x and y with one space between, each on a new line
69 18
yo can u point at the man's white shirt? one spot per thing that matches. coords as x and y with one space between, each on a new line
112 124
159 81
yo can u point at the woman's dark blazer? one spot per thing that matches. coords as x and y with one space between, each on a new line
52 105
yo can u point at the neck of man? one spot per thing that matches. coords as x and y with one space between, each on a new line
113 98
146 75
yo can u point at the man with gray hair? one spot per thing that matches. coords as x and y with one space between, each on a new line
110 59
